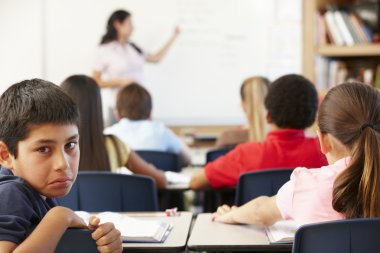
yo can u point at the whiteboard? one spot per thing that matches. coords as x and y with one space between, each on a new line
21 41
222 42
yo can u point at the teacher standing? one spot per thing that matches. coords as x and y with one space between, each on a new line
119 62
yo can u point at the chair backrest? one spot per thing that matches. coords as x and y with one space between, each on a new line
354 236
165 161
76 241
106 191
216 153
259 183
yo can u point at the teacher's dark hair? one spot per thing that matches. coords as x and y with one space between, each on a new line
111 33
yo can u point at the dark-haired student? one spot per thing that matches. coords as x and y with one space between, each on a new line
98 151
291 106
137 129
120 62
39 157
349 132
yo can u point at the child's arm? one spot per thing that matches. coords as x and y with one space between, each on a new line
139 166
199 181
185 153
46 235
262 210
107 237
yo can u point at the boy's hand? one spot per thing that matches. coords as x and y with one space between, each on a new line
107 237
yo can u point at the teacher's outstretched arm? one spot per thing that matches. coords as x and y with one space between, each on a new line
154 58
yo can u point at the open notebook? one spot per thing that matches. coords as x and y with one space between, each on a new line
132 229
281 232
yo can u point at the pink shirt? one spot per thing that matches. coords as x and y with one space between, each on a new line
307 197
115 60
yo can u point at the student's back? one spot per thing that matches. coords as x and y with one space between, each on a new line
145 135
282 149
292 105
135 127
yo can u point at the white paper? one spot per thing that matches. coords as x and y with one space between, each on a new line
282 231
176 178
128 227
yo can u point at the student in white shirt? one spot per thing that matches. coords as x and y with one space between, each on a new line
119 62
135 127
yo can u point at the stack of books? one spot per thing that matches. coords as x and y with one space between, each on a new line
342 28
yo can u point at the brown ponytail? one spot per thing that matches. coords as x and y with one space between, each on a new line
351 113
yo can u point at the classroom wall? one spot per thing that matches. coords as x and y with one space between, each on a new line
221 43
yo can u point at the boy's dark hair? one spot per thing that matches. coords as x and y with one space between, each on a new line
292 102
33 102
134 102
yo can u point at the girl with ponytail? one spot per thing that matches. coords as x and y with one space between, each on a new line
349 187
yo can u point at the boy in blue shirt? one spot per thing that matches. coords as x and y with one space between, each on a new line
39 157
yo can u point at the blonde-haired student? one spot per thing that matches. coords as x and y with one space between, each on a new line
252 92
349 187
39 157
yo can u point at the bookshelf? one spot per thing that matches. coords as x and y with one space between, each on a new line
343 51
355 59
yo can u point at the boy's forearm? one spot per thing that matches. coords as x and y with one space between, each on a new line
46 235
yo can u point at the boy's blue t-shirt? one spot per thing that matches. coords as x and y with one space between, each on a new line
21 208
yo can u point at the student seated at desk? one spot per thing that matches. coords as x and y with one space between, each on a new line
135 127
349 187
291 104
99 152
39 157
252 92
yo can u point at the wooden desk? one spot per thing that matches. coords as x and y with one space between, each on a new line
177 239
214 236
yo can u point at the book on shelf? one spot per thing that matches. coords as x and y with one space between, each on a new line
351 29
133 229
321 34
358 26
281 232
336 35
343 28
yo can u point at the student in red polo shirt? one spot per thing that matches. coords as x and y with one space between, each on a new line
291 103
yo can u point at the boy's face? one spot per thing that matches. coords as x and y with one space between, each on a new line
48 158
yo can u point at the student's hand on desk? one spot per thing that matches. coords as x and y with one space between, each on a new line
224 214
107 237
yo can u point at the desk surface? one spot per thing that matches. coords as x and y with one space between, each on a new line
214 236
177 239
